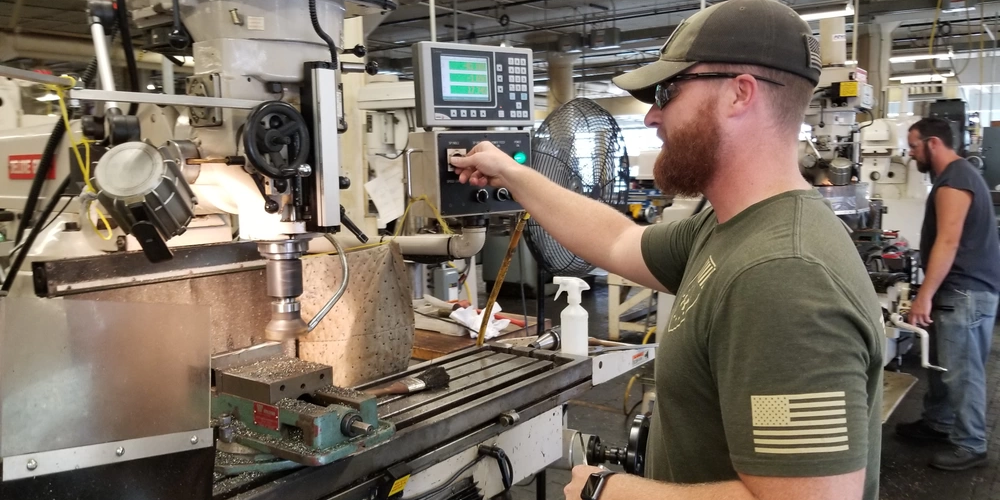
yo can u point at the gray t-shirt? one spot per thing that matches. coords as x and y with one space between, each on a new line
977 262
771 364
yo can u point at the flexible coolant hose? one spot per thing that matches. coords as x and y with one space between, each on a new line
340 291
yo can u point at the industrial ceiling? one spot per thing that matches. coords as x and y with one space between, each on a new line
541 24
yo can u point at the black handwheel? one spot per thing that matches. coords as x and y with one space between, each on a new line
276 139
638 435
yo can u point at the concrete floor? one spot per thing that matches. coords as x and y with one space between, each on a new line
905 474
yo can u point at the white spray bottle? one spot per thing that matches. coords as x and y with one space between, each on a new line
573 319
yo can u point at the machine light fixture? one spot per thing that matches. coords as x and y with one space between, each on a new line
49 97
847 10
922 57
923 78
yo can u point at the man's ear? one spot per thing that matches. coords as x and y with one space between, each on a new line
745 93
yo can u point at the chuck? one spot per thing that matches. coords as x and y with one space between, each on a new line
284 285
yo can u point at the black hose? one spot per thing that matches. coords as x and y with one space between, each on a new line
450 481
176 61
322 34
33 234
42 172
870 121
121 16
45 164
503 462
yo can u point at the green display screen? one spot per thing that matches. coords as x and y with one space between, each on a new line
466 66
468 77
469 90
465 79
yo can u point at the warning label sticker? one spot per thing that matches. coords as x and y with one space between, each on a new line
266 416
23 167
640 358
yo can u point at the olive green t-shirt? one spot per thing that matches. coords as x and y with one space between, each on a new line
771 364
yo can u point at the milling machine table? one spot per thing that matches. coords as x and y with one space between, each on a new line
485 383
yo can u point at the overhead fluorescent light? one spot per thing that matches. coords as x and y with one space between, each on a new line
47 98
151 87
614 89
922 57
848 10
851 62
958 9
923 78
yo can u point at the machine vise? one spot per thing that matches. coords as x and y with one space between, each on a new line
286 407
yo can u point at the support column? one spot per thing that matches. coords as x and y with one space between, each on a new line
874 50
561 88
167 69
145 77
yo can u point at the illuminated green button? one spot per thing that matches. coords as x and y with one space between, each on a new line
520 157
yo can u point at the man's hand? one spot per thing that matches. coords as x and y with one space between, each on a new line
920 311
580 475
484 164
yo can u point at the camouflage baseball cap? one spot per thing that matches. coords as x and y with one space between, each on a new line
758 32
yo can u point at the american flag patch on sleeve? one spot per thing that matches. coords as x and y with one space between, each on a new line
800 423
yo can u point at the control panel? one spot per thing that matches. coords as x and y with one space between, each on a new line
472 86
431 172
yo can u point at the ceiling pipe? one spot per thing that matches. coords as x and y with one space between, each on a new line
52 48
481 16
434 22
525 3
553 27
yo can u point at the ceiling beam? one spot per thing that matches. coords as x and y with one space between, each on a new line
632 41
679 13
448 15
911 10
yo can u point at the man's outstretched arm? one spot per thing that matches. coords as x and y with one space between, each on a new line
848 486
596 232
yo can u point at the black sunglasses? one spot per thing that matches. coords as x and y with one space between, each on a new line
667 89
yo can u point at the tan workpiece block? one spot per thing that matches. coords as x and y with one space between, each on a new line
369 332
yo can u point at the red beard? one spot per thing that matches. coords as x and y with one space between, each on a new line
690 159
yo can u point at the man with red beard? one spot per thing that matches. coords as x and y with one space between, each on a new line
769 373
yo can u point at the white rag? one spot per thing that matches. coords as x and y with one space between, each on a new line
472 319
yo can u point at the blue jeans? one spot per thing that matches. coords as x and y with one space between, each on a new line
955 402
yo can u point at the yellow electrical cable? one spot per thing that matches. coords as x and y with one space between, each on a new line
100 215
434 210
649 333
468 291
84 162
628 388
930 45
399 227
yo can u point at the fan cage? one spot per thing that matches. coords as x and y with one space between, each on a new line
581 148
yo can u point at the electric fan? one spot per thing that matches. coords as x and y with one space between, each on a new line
581 148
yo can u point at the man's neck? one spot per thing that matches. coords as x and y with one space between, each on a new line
743 181
944 159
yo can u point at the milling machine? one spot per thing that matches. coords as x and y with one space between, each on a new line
112 397
864 173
